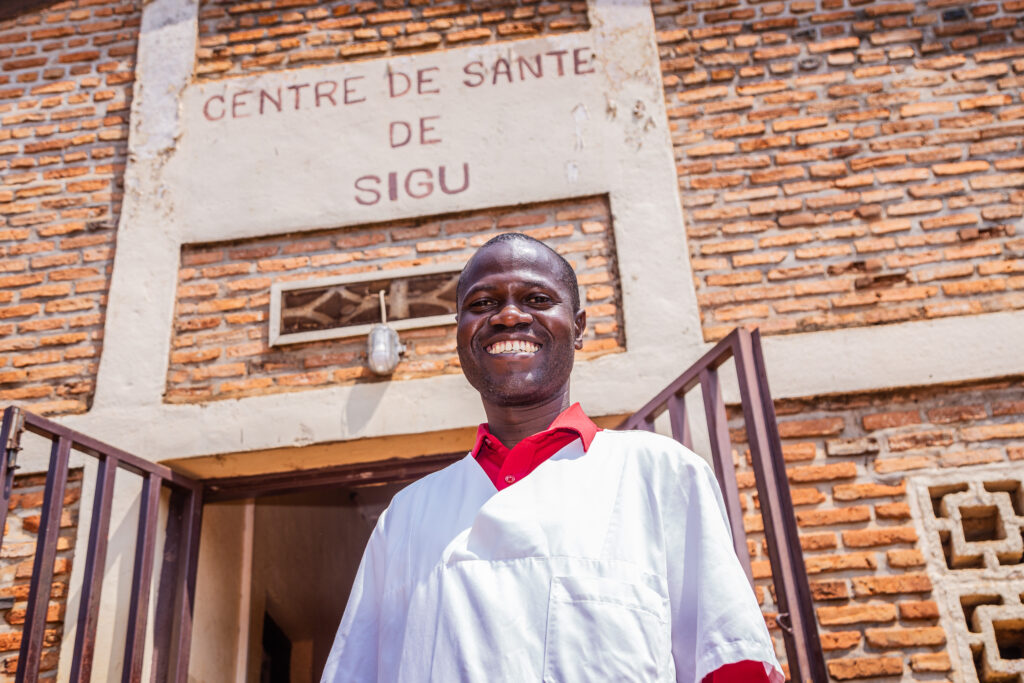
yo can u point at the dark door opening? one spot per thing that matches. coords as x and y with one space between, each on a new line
306 550
276 661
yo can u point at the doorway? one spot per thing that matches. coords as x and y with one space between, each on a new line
305 554
278 555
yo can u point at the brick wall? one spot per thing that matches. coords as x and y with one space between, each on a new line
241 37
65 89
849 458
847 163
16 569
220 341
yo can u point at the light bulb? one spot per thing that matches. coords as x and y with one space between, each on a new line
383 349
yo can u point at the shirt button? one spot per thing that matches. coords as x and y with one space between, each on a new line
509 479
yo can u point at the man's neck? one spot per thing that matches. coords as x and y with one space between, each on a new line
512 424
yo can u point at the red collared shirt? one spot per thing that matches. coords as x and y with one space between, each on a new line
506 466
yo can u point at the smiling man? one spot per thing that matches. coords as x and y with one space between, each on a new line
554 550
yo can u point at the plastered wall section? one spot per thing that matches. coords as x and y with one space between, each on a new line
221 342
845 163
220 631
66 74
851 463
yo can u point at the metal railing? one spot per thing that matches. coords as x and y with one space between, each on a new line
176 590
789 574
172 627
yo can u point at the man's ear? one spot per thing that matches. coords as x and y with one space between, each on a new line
581 327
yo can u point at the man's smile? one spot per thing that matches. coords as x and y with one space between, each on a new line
512 346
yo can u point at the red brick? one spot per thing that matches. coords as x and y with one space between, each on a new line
829 517
1013 430
899 638
840 640
864 667
856 614
829 589
867 538
812 473
793 429
888 420
847 492
819 541
903 559
892 511
924 439
891 585
817 564
930 662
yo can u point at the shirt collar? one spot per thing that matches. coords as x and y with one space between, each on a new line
572 418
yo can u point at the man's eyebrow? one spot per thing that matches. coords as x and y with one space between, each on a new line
530 284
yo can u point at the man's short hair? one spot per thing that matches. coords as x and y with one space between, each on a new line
566 275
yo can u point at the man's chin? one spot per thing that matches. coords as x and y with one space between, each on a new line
518 394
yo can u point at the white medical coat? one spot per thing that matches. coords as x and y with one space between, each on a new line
611 565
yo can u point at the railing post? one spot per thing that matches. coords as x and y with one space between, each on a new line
92 580
725 470
10 442
142 578
176 592
789 574
678 420
182 634
42 566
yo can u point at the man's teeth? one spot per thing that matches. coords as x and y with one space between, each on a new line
512 347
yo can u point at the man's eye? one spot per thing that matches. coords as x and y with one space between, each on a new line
479 304
539 299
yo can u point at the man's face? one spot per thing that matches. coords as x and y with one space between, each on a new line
517 330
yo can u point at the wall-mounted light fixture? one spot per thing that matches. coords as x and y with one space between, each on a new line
383 347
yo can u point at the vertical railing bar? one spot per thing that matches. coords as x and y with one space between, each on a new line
95 562
803 645
678 420
182 633
176 588
42 566
725 470
142 576
167 589
646 424
10 443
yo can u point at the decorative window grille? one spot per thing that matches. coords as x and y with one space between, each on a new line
348 306
973 524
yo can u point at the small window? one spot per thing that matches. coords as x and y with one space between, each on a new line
348 306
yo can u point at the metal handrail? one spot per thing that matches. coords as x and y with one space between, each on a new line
789 574
176 590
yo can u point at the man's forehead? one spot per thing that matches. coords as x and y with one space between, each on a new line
516 259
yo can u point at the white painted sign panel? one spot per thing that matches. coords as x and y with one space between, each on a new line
373 140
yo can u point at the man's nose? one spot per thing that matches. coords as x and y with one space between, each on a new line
511 315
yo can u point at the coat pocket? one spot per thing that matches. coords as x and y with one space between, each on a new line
602 629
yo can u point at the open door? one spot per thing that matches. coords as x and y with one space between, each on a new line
173 610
